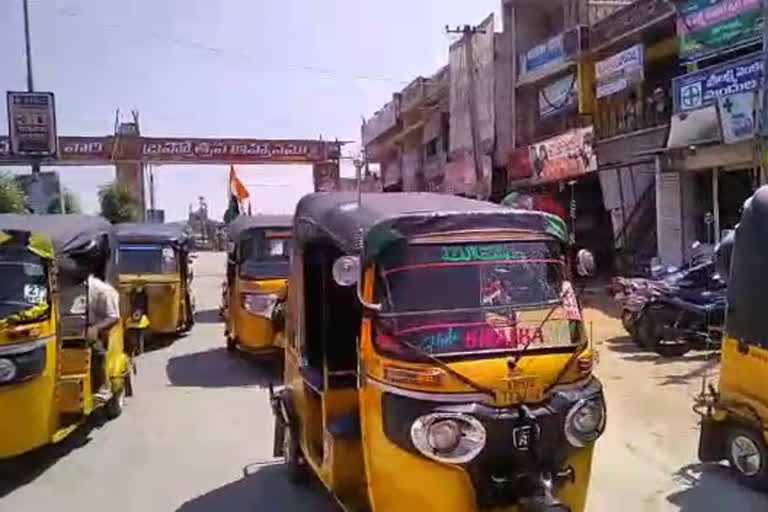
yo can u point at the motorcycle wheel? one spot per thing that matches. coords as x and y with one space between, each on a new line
644 334
675 349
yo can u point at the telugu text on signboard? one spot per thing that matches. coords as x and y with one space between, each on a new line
32 124
703 88
619 71
705 28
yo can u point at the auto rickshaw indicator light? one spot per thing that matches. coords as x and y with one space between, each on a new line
432 377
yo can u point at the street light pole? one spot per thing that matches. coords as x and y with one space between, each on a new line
28 46
30 80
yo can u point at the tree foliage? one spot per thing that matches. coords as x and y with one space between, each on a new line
12 197
71 203
118 204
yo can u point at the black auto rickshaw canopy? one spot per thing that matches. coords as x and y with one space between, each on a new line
243 225
85 238
175 233
748 279
381 219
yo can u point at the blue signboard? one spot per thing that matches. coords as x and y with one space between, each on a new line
703 88
541 56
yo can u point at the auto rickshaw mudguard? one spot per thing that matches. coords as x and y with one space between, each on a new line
711 439
283 409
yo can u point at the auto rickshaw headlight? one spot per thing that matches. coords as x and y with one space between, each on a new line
585 422
448 437
8 370
259 303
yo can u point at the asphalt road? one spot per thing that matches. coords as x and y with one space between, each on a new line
197 436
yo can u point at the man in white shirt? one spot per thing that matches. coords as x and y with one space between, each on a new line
103 314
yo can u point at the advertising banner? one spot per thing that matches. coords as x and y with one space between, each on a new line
705 27
619 71
558 97
737 116
565 156
703 88
32 124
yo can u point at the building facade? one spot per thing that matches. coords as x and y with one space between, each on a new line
632 120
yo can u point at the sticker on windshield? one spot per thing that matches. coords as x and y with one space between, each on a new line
33 270
276 247
168 254
35 293
79 305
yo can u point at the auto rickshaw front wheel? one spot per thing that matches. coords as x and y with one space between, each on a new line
748 456
114 408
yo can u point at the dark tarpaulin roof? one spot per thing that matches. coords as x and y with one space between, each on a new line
385 217
245 223
175 232
67 232
748 279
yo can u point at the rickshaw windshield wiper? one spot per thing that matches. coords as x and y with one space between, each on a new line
444 366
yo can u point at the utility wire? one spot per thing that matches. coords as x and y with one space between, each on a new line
223 52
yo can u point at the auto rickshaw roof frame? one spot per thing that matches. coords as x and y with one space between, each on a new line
381 219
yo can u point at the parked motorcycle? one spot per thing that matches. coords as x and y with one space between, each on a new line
671 315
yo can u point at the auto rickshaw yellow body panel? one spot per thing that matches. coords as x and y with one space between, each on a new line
254 332
165 300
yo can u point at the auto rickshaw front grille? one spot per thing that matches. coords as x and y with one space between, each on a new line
496 472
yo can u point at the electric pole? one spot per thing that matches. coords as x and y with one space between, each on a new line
468 33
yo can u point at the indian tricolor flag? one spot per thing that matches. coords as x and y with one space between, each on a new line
237 196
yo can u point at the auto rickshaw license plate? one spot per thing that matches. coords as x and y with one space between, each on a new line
523 388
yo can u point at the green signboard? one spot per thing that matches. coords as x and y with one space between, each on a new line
705 28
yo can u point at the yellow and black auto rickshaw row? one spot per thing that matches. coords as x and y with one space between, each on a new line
48 373
49 368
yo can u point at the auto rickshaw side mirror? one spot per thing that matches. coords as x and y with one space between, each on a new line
585 263
346 272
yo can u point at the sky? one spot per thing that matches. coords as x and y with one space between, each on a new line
232 68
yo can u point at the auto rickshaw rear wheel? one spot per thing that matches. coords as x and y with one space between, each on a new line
748 456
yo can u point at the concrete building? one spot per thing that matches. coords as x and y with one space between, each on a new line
408 137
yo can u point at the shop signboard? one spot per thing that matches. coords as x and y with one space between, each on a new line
544 55
32 124
705 27
703 88
558 97
737 116
620 71
520 166
565 156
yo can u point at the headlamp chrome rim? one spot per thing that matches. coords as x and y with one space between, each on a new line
471 437
581 439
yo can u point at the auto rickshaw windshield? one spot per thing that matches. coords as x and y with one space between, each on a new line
23 281
147 259
265 256
460 298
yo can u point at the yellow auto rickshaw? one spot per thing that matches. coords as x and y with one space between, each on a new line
734 424
156 276
436 357
48 370
253 295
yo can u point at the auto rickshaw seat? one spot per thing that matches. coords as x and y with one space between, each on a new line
345 426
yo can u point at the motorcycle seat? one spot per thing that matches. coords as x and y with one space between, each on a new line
708 309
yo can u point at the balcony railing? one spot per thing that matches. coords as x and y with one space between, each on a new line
629 112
